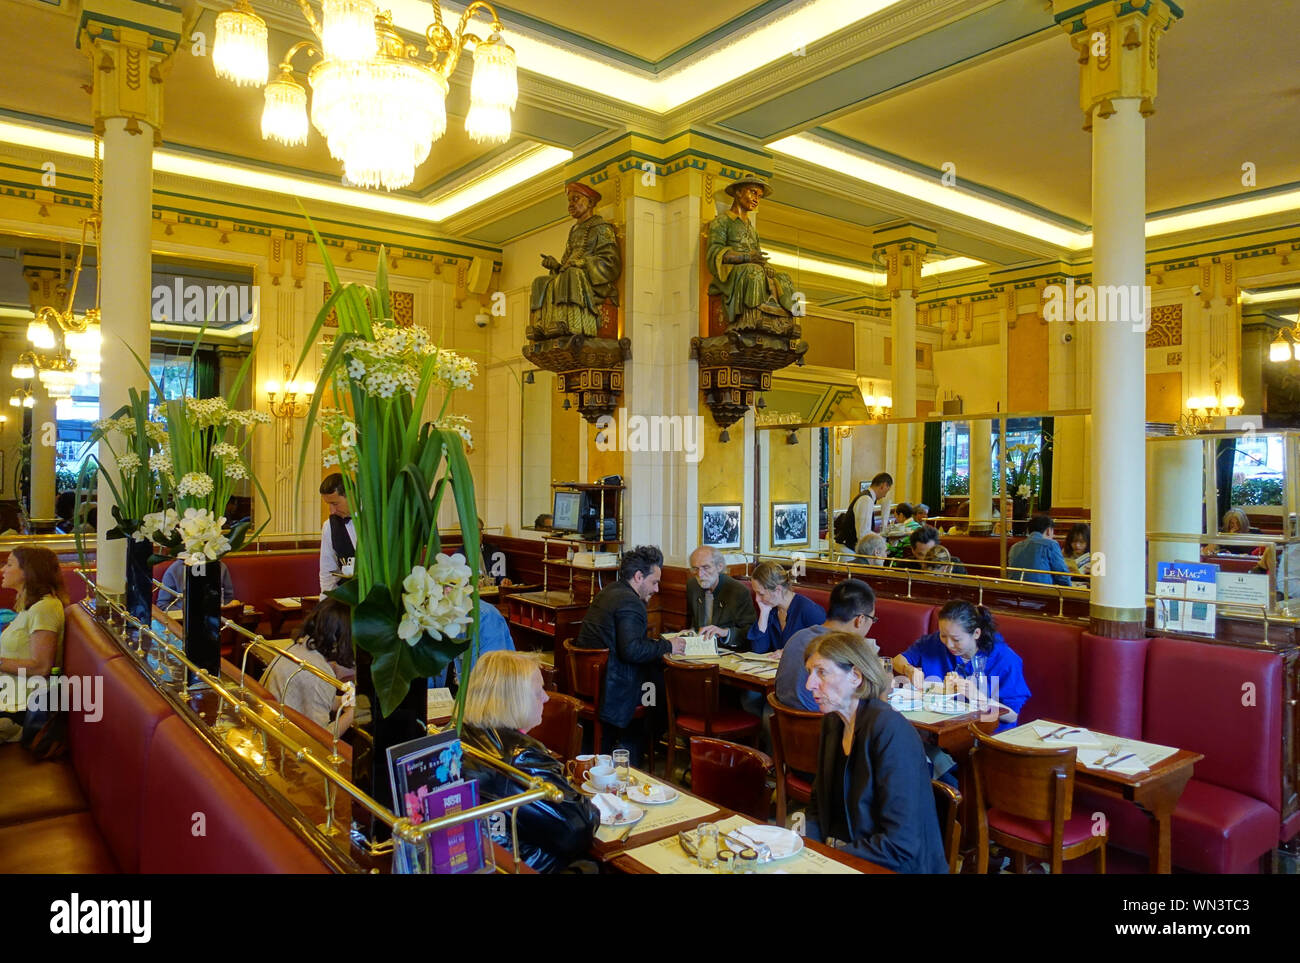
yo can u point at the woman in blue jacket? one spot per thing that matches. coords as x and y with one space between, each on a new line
966 646
781 610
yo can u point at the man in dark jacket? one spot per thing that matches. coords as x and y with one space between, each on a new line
716 603
616 620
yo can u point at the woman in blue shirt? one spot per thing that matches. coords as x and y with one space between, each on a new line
781 611
966 645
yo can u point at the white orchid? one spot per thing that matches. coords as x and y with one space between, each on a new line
202 535
437 600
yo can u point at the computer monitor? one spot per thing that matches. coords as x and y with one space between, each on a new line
566 515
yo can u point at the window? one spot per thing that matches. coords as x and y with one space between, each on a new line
1257 470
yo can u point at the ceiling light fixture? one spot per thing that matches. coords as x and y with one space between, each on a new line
378 105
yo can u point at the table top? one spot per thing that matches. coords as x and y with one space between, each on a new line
292 603
660 821
548 599
737 666
1159 770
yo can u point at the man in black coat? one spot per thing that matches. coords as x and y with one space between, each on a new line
716 603
616 620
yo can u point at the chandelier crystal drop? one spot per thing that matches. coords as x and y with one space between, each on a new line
239 47
348 30
493 91
284 115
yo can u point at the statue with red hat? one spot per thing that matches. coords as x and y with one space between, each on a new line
754 294
567 300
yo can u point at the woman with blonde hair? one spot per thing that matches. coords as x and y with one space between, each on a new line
781 610
505 700
871 794
32 643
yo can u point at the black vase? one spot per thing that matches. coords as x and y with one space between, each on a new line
202 608
408 721
1022 508
139 579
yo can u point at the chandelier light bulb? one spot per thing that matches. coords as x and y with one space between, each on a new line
493 91
23 371
239 47
1280 350
40 335
273 388
29 401
284 114
348 30
15 401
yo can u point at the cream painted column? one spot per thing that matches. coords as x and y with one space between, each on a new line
981 475
903 246
1117 51
1175 472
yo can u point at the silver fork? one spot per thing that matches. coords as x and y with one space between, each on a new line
1115 751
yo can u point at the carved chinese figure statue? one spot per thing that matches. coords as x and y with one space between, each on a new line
568 299
748 286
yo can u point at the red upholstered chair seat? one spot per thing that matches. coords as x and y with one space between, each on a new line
64 844
36 790
798 787
725 721
1077 828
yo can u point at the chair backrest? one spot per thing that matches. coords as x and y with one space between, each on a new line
796 737
731 775
549 677
1021 781
692 689
947 803
586 671
558 730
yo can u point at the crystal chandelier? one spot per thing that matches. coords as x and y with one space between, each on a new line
377 104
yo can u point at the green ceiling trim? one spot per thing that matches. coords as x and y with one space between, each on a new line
1228 199
551 210
973 36
1125 8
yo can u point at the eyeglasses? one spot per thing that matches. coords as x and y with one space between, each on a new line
873 620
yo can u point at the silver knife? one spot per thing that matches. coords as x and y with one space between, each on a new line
1116 762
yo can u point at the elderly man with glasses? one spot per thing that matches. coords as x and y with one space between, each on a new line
718 605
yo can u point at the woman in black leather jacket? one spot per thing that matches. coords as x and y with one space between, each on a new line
504 701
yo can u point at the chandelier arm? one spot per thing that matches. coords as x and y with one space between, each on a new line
457 43
310 15
286 62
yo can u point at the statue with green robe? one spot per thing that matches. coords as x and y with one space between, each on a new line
748 286
567 300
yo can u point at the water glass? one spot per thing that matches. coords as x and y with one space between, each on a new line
622 765
707 853
726 861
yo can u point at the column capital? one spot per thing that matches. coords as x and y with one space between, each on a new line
45 282
130 43
1117 45
903 246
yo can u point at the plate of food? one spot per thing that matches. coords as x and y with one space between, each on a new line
779 843
650 793
616 812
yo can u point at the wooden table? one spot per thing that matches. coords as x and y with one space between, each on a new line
730 674
607 851
277 612
1155 792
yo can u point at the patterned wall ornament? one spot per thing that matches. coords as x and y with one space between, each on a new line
1166 329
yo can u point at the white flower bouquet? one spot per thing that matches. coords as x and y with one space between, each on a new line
414 608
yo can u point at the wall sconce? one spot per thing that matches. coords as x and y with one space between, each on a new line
1282 350
290 399
22 398
878 406
4 423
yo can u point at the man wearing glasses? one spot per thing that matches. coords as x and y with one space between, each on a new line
852 609
717 605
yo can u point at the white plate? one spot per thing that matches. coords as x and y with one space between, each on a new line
636 793
589 789
783 842
634 815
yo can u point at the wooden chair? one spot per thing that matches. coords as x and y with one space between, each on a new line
796 746
559 730
587 680
947 803
549 681
693 708
1023 802
731 775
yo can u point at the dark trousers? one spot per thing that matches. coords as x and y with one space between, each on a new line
632 738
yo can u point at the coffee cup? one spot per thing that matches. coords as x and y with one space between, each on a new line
578 767
604 759
602 777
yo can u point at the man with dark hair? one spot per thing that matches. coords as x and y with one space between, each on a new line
616 620
1039 551
862 508
913 551
717 605
338 537
852 609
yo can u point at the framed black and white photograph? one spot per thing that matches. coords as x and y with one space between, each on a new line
789 523
720 526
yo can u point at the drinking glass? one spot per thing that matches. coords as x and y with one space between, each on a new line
707 834
622 766
726 861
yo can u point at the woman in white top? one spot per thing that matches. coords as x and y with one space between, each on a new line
32 644
325 642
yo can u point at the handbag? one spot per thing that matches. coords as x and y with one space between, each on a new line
45 730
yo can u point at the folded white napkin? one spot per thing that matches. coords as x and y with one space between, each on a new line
614 811
1069 736
1129 767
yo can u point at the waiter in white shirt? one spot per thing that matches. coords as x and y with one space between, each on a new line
865 504
338 538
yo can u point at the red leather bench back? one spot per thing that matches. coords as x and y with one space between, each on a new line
976 550
1050 650
901 623
235 833
818 594
73 582
1112 673
258 578
1224 702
